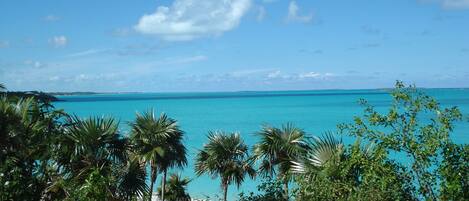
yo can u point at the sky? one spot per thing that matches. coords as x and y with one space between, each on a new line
232 45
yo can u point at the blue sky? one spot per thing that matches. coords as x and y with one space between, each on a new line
231 45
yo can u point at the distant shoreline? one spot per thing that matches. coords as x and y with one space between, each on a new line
72 93
240 91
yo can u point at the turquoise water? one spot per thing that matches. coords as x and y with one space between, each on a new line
245 112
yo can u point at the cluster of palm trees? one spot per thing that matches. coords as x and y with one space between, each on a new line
92 158
50 155
281 152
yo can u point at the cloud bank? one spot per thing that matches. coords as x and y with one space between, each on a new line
190 19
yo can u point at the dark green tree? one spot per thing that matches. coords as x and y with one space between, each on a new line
175 188
225 156
276 150
454 172
27 129
158 142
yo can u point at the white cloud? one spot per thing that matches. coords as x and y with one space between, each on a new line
4 44
455 4
189 19
315 75
51 18
309 75
295 16
58 41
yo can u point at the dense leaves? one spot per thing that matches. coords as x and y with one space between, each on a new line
276 150
157 141
225 156
175 189
269 190
402 153
416 129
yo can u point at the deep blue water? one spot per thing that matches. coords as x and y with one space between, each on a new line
245 112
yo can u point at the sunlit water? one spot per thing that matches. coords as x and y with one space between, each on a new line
245 112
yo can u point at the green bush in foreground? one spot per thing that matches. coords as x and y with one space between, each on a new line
269 190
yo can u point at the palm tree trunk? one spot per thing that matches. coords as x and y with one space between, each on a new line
152 182
225 189
163 189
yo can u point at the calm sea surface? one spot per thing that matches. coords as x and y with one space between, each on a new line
245 112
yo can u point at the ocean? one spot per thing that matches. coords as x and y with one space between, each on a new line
316 112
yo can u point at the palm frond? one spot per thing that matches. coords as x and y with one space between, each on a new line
226 156
323 150
277 147
132 180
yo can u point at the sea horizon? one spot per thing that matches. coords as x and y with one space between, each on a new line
78 93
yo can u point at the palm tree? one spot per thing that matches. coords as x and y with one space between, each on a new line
174 154
323 151
176 188
2 87
93 147
158 141
92 143
225 155
132 180
277 148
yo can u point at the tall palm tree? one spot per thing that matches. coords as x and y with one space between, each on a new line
176 188
225 156
174 154
158 141
2 87
276 150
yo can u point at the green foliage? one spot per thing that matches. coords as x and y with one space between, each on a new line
332 172
225 156
416 127
454 172
276 150
175 190
158 142
95 188
26 130
131 179
269 190
46 154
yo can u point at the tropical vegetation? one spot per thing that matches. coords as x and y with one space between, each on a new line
175 188
403 153
225 156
